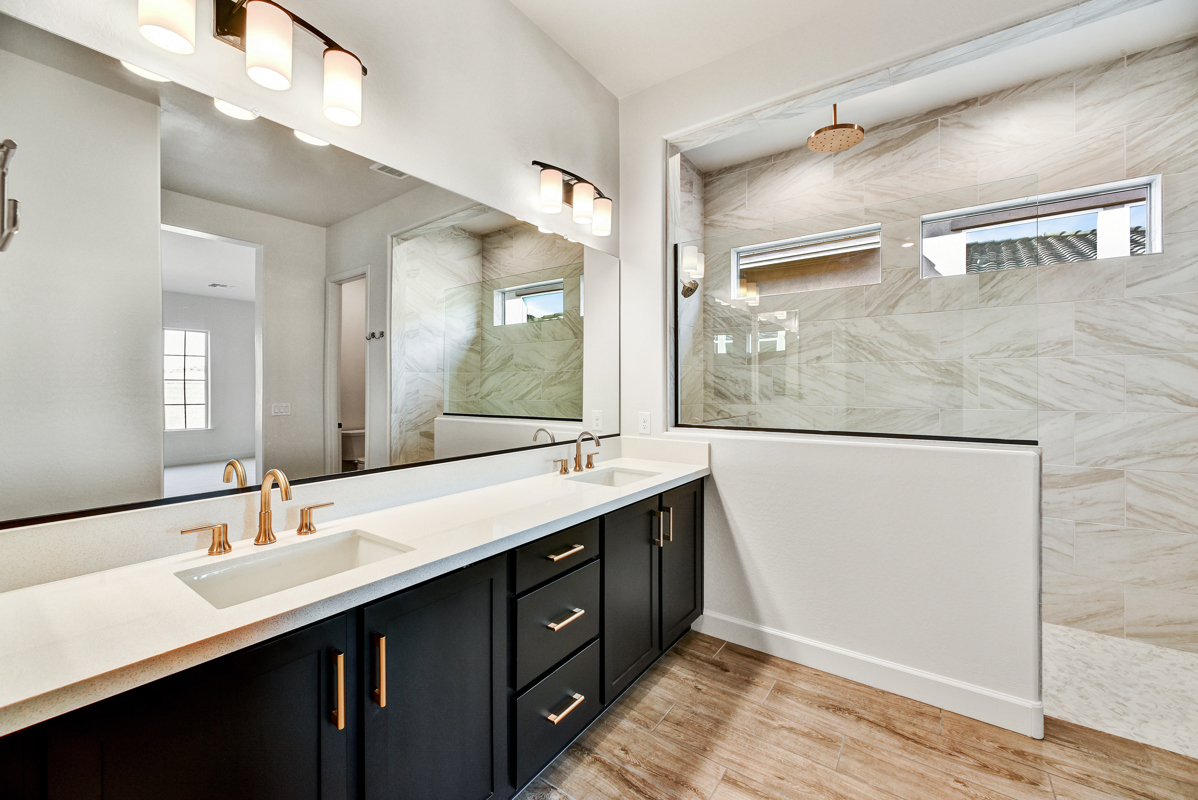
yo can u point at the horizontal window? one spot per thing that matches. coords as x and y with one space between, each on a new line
536 302
832 260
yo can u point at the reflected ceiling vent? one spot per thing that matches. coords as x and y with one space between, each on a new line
220 286
392 171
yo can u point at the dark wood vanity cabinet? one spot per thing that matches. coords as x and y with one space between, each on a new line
434 702
461 688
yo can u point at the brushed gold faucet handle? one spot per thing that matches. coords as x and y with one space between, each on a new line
220 537
565 462
306 526
590 460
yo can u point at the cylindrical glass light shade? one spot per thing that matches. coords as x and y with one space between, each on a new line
584 202
170 24
690 255
700 262
551 191
342 87
601 222
268 31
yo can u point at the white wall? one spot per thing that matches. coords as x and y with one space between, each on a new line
81 387
231 378
816 595
461 93
353 355
290 312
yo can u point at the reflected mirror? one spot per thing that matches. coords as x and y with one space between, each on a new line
193 283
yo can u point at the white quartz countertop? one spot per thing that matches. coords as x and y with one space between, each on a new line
72 642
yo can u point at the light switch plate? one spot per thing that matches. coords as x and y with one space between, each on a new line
280 410
646 426
596 420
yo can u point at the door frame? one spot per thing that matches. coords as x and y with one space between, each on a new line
332 366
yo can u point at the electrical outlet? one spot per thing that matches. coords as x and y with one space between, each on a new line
596 420
646 426
280 410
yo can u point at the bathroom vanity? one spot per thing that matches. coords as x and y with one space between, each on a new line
464 685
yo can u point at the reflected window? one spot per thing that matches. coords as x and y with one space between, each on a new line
722 342
537 302
771 342
1108 221
185 379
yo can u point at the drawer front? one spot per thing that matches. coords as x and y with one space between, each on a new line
539 646
543 559
538 739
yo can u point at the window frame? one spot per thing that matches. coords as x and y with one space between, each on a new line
207 382
502 296
855 239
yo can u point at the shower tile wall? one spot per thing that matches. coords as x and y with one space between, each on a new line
1099 360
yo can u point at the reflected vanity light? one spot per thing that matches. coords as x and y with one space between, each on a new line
144 73
543 230
236 112
170 24
310 139
751 298
590 206
908 244
268 34
700 263
690 255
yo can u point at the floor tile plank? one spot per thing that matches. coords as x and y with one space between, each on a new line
1097 743
585 775
682 771
539 790
1174 765
736 786
700 644
912 780
641 707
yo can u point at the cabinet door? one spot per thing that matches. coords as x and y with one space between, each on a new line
442 732
254 724
681 561
630 616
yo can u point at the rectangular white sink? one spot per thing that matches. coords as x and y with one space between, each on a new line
227 583
613 476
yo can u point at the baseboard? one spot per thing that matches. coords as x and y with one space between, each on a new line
987 705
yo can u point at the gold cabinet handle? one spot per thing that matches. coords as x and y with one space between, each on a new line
557 626
556 718
339 707
578 548
380 694
668 510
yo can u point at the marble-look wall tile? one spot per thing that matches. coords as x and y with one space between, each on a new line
1082 384
1056 545
1082 494
725 194
913 384
1151 83
786 179
890 153
521 249
907 337
947 182
1008 121
1006 332
817 202
1162 383
1155 559
1007 383
1056 437
1165 619
831 384
900 244
1137 325
1164 145
1062 163
1008 287
988 423
1080 602
1180 200
1087 280
1165 501
1137 441
913 421
1054 329
1171 271
956 292
900 292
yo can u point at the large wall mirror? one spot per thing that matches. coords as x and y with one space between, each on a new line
194 284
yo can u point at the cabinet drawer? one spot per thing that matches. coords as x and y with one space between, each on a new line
539 646
541 560
538 739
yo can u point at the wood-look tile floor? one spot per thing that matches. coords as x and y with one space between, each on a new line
715 721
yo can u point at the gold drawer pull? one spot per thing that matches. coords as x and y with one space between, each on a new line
380 694
557 626
556 718
339 708
578 548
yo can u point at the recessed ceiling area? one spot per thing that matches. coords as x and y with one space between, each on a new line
1105 40
191 262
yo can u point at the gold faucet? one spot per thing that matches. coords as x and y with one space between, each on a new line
234 466
578 450
266 534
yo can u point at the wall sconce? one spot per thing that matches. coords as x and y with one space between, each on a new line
264 30
589 205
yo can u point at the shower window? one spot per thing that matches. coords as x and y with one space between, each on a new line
538 302
1108 221
848 257
185 379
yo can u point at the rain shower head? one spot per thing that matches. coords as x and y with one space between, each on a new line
836 137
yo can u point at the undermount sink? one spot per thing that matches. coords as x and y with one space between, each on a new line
227 583
613 476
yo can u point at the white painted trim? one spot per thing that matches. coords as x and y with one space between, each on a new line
1004 710
332 367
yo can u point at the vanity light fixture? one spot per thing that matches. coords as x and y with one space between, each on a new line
144 73
310 139
590 206
170 24
543 230
268 34
690 258
236 112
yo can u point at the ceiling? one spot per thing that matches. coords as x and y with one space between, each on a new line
1098 42
192 261
630 45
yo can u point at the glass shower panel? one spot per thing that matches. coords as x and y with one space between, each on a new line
857 342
